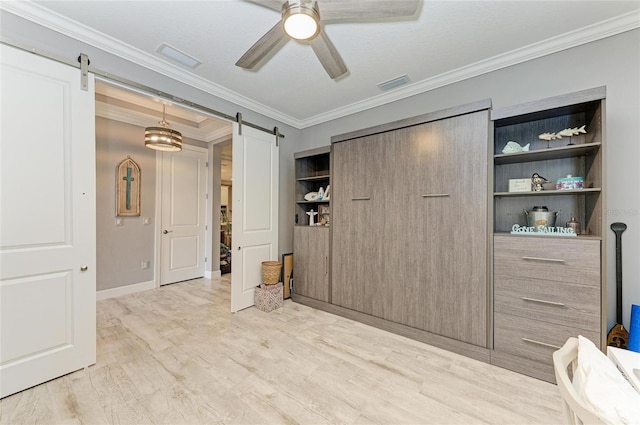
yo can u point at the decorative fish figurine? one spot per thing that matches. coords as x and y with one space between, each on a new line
549 136
568 132
513 147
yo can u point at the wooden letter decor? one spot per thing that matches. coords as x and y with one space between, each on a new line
128 176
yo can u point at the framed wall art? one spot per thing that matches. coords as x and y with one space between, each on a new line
128 179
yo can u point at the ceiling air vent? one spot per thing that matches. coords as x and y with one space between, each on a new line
394 82
178 56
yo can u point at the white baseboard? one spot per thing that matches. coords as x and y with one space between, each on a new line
124 290
212 274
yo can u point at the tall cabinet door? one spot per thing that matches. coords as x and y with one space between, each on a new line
356 186
311 267
452 223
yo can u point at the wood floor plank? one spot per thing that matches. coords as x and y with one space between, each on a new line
176 355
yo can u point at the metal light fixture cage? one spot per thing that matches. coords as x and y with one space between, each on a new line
163 138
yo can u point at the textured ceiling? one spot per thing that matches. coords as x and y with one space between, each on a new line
444 42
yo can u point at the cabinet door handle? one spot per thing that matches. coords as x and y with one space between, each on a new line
543 301
362 198
544 344
436 195
326 266
550 260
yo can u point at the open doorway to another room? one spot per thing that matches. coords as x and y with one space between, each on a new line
129 251
226 213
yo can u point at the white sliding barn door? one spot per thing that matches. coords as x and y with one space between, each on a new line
255 211
47 221
184 191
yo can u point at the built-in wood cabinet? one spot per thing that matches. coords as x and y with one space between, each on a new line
311 262
421 230
548 288
311 247
409 226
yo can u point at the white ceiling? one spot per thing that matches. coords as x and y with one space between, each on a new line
446 41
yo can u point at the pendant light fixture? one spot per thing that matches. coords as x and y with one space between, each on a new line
163 138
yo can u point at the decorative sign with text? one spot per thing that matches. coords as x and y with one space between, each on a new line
542 230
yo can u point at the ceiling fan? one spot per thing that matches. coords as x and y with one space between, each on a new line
303 19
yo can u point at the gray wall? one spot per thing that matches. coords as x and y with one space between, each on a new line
121 249
613 62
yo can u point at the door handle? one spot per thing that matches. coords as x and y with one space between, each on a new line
84 268
167 231
436 195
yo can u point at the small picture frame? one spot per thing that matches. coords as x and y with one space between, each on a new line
324 217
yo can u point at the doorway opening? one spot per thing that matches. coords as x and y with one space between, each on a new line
129 248
226 205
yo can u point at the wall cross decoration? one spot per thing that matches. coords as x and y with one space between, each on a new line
128 176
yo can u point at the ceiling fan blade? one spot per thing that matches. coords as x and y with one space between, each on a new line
328 55
366 9
271 4
262 47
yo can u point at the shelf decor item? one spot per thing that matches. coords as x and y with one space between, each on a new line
311 196
520 185
514 147
570 183
311 215
537 181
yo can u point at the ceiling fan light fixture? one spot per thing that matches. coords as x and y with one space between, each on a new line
163 138
301 21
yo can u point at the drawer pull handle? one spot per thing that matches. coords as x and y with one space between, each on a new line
363 198
551 260
544 344
436 195
543 301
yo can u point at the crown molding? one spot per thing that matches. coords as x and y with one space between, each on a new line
78 31
598 31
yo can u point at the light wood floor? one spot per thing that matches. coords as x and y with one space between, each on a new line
176 355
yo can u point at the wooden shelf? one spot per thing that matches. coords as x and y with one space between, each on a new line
549 192
313 178
500 233
570 151
324 201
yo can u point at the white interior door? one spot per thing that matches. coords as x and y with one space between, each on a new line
255 211
47 221
183 221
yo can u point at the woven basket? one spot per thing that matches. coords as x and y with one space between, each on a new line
271 272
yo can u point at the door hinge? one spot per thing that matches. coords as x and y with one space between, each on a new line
206 227
206 196
206 164
205 259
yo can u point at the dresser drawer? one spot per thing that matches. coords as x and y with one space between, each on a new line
553 302
546 258
533 339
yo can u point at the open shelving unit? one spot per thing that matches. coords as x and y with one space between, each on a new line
579 155
312 171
